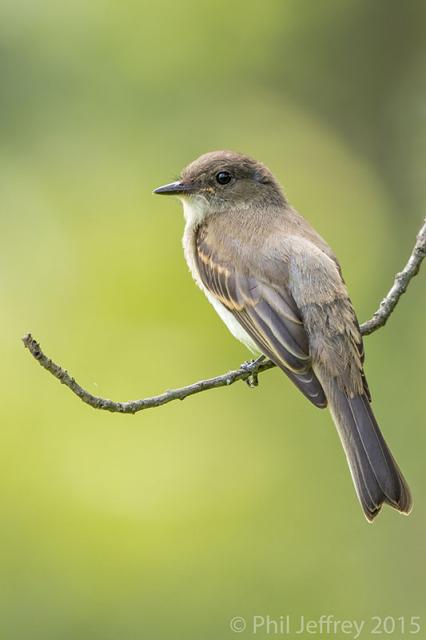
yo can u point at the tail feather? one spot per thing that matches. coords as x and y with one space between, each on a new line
376 475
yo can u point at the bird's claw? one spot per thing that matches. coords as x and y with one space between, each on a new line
252 380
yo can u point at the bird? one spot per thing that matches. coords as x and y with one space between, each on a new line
279 289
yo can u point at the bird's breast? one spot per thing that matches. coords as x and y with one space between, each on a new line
189 249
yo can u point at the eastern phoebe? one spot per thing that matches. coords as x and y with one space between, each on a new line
278 287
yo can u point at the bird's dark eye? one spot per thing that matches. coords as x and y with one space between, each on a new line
223 177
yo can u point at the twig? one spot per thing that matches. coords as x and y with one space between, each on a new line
132 406
247 371
402 280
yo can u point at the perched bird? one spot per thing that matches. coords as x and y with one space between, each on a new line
278 287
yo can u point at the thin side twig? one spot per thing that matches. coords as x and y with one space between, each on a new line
401 282
247 371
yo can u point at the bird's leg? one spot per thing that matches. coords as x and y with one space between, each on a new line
251 365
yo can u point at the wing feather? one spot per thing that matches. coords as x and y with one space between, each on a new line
270 317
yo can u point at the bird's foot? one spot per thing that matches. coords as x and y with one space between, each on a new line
253 380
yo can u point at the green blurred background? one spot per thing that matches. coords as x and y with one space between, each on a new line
236 502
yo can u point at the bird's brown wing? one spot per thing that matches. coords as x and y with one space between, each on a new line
269 315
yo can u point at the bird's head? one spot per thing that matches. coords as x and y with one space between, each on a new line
220 180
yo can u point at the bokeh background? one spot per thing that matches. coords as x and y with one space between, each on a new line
236 502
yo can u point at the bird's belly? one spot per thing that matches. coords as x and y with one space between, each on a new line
232 323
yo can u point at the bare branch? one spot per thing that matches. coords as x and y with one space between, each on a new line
247 371
399 286
133 406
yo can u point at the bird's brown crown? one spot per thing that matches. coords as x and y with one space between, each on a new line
228 175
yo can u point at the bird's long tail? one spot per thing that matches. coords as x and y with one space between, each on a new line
376 475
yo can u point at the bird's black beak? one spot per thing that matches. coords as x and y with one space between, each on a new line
174 189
